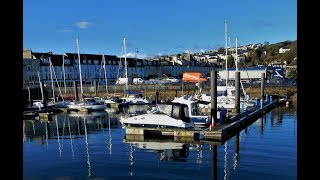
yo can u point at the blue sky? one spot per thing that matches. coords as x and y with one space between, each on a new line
154 27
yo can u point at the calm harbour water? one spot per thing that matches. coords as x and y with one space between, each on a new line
94 147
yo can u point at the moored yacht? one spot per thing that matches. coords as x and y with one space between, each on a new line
165 115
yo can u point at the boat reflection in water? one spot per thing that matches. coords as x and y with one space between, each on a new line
167 150
65 126
70 128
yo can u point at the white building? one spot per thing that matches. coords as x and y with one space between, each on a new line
283 50
92 68
247 73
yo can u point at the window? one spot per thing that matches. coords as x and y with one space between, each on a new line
195 109
175 112
186 111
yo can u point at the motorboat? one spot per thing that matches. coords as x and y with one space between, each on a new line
88 103
165 115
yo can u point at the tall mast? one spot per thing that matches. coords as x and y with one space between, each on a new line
237 54
54 99
80 69
125 62
244 92
105 73
64 76
226 48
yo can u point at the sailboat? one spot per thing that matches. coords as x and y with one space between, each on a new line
226 94
54 103
86 103
131 97
105 100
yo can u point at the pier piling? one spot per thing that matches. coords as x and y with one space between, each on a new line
213 87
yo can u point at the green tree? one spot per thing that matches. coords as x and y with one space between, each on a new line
221 50
258 53
230 61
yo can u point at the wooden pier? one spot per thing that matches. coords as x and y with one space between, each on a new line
219 132
236 123
43 114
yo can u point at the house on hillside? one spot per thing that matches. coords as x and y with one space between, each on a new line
283 50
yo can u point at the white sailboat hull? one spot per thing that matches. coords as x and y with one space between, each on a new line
100 107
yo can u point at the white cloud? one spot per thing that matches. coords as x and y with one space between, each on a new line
202 50
135 55
83 24
188 51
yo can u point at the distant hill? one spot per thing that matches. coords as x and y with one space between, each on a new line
270 53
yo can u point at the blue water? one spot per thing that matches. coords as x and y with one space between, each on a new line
94 147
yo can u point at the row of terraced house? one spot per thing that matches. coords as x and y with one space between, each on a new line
36 65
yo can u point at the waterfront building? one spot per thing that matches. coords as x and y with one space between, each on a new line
37 64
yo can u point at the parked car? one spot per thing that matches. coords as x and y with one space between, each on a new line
123 81
138 81
173 79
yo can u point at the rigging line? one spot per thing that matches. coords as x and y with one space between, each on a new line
105 73
51 66
52 86
99 75
235 60
244 92
120 62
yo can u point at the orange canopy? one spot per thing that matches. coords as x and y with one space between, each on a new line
193 77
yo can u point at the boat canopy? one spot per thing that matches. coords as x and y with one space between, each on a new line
195 77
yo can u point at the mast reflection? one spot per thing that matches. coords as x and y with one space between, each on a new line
59 144
236 151
70 135
87 146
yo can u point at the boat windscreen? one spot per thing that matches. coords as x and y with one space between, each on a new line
176 112
165 108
